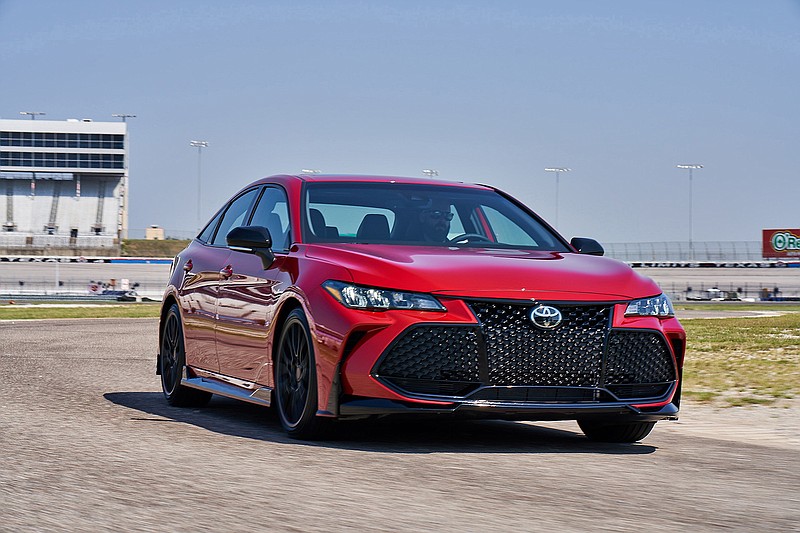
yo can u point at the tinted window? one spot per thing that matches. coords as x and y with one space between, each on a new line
234 216
206 234
420 214
272 212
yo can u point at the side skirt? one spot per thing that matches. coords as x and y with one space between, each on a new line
226 386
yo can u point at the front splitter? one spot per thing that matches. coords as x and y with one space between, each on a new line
363 407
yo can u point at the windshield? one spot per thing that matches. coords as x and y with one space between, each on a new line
403 214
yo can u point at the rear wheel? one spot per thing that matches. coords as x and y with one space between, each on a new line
171 360
606 432
296 380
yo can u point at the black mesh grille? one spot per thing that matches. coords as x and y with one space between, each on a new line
506 349
519 353
535 394
638 357
639 391
434 353
434 387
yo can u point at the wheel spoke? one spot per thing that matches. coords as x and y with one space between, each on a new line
298 403
170 333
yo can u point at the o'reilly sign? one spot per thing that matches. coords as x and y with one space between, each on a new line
780 242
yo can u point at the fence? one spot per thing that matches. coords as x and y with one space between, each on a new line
674 251
707 251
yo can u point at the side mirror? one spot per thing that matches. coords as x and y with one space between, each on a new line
252 240
587 246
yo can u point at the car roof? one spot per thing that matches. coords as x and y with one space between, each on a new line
356 178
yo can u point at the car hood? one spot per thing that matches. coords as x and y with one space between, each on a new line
487 273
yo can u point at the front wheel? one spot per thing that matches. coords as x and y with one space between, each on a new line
610 432
171 360
296 380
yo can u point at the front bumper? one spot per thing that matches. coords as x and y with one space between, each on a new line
619 413
494 364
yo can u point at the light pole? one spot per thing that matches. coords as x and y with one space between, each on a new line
690 168
430 172
32 114
123 230
199 145
558 171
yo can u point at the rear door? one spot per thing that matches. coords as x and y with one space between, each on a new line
198 296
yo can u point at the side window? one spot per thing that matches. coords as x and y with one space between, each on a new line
456 225
205 236
234 216
272 212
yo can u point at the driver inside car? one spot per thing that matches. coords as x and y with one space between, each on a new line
435 221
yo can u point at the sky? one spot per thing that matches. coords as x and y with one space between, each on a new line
493 92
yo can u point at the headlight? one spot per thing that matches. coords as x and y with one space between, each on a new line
659 306
357 297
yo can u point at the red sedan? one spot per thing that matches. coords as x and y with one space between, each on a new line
336 297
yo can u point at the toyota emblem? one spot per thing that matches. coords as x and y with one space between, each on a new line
546 317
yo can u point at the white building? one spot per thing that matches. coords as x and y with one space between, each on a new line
63 186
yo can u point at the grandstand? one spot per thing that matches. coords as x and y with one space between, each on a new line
62 187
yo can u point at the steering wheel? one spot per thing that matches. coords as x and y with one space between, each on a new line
467 237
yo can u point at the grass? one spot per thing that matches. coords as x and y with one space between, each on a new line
743 306
128 310
743 361
145 248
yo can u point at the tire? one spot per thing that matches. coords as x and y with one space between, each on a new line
296 380
605 432
171 360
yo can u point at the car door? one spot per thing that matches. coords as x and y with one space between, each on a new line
204 267
198 292
198 295
249 294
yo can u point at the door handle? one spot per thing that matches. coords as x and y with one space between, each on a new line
226 272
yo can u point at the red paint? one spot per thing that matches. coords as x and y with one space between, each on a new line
230 304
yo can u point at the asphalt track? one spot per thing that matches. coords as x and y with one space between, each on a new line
87 443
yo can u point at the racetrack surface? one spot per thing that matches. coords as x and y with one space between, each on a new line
87 443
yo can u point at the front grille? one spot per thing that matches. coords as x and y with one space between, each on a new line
624 361
519 353
526 363
436 387
639 391
444 353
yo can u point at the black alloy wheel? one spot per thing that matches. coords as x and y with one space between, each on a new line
296 379
609 432
172 359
